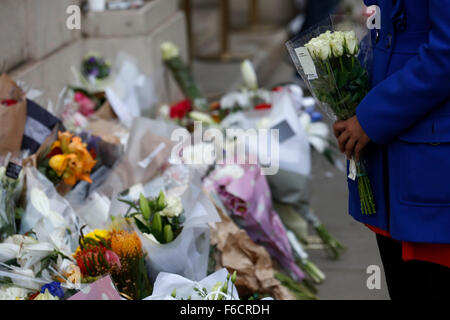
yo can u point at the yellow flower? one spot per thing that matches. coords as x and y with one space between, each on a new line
126 244
64 139
59 163
46 296
105 234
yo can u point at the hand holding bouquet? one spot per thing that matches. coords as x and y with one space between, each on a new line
330 66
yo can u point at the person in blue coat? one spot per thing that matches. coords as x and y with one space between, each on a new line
402 132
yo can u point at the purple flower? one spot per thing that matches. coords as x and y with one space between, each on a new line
94 72
54 288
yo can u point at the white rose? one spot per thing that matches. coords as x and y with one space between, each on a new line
312 49
174 207
169 51
351 42
337 44
249 75
326 35
323 49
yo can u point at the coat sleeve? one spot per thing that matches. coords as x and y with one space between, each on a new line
406 96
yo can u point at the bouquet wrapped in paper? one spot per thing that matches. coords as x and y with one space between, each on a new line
246 194
333 63
217 286
117 252
11 187
173 225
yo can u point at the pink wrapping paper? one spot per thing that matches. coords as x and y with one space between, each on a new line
249 198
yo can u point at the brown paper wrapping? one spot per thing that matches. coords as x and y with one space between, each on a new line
12 118
238 252
105 128
105 112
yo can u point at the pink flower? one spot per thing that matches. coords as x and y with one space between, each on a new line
112 258
86 105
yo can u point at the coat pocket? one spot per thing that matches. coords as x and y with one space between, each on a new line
420 164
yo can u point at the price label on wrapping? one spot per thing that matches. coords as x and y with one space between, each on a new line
307 63
13 170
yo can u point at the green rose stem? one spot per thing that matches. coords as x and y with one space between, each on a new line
182 75
365 190
335 247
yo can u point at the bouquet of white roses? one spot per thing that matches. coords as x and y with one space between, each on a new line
333 65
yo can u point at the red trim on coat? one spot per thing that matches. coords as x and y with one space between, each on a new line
430 252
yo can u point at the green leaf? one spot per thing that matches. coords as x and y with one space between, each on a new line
131 204
144 228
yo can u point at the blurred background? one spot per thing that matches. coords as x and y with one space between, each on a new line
214 37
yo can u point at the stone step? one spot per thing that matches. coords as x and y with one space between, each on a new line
121 23
265 49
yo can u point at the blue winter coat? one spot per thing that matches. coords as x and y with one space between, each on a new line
407 116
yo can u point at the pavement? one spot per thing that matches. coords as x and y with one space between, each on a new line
346 277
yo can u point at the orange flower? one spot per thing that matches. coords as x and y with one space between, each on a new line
126 244
59 163
64 141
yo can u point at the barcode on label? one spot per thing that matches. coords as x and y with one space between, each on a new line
306 62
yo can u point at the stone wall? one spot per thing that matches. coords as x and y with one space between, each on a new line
40 49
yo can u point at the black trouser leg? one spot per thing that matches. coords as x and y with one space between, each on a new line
412 279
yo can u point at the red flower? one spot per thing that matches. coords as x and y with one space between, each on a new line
9 102
180 110
92 261
277 89
93 153
263 106
54 152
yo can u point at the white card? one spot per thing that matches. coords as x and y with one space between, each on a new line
307 63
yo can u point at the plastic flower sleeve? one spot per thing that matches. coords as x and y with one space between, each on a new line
169 284
331 58
333 63
45 206
187 255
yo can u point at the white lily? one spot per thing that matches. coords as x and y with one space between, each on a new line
41 203
249 75
30 256
8 251
235 99
318 132
203 117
